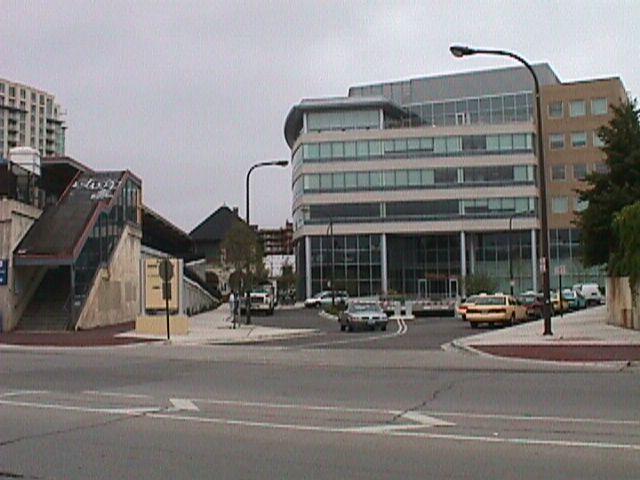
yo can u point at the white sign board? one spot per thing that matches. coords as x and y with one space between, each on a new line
560 270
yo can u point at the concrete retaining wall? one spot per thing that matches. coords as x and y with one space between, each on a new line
196 299
621 310
16 219
115 296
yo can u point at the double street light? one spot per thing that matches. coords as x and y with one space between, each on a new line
464 51
271 163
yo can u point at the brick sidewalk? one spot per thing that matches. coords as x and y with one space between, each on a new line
565 353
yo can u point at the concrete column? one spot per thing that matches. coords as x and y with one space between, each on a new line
307 262
463 262
534 260
472 254
383 263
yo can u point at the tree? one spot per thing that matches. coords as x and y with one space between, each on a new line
626 260
287 279
480 283
609 192
244 252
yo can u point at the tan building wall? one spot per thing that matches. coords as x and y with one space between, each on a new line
15 220
115 296
567 124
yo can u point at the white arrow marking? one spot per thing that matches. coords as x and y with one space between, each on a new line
183 404
426 420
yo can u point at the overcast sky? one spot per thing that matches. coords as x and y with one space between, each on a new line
189 94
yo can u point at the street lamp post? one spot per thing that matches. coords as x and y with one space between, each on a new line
464 51
272 163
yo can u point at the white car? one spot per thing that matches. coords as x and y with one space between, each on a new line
591 293
324 298
363 314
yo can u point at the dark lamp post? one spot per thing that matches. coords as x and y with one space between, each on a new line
464 51
272 163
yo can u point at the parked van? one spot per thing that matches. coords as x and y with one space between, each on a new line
591 293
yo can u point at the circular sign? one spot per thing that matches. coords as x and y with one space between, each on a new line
165 269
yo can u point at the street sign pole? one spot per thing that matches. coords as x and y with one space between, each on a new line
165 269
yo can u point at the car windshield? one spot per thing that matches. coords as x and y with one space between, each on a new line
491 301
471 299
364 307
528 300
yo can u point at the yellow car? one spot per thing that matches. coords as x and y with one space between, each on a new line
498 308
469 301
557 306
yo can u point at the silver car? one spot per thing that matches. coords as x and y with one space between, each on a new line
363 314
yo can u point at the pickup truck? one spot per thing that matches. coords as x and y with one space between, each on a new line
261 301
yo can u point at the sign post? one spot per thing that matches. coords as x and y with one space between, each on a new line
166 274
560 270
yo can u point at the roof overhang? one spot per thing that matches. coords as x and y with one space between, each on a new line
293 123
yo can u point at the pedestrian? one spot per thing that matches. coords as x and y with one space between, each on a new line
232 308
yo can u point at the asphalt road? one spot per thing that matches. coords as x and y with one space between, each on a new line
428 333
272 412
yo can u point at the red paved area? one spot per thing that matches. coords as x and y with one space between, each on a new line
565 353
97 337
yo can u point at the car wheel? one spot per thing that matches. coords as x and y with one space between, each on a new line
383 327
343 327
473 324
512 320
350 327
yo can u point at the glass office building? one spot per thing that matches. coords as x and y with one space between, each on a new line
411 187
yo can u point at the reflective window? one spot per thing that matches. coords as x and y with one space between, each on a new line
579 139
577 108
597 141
599 106
581 205
579 171
560 204
555 110
558 172
556 141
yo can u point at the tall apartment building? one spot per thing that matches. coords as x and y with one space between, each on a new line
412 186
30 117
277 241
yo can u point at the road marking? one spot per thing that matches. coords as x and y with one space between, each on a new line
402 329
19 393
426 420
154 413
73 408
115 394
404 433
597 421
182 404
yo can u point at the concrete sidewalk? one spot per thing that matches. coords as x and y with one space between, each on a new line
581 336
215 328
208 328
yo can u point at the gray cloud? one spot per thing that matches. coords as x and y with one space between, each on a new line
189 94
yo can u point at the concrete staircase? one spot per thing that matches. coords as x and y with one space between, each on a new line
47 310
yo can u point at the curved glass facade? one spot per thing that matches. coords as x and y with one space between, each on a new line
446 177
408 147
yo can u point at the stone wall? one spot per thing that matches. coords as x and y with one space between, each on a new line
622 311
115 296
15 220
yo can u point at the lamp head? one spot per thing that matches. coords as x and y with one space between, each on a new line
461 51
282 163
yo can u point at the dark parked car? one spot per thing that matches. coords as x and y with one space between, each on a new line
534 303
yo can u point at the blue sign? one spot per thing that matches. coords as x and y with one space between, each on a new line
4 271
